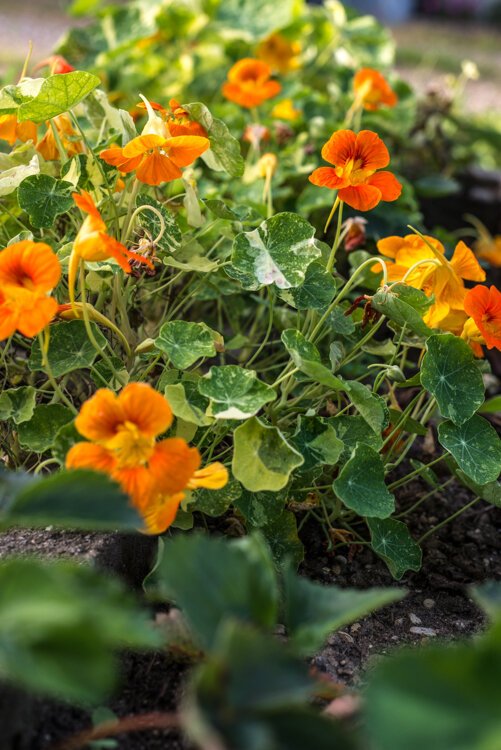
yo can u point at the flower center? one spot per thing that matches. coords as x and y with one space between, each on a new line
131 446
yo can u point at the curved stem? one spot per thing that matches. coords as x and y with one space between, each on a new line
155 211
50 375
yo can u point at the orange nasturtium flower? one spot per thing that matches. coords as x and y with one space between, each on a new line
56 64
122 432
435 275
28 273
483 305
279 53
372 90
68 137
249 83
93 244
355 159
489 249
177 119
11 130
156 156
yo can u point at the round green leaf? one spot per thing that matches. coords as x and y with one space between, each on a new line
43 198
57 94
316 440
17 404
187 403
316 292
235 393
224 150
69 348
278 252
216 502
360 484
392 541
185 342
40 432
262 457
450 373
352 429
476 447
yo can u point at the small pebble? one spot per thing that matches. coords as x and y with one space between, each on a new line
429 603
415 619
336 569
355 627
423 631
340 559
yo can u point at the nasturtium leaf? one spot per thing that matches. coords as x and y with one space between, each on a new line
370 406
313 611
278 252
12 177
76 500
39 433
216 502
306 358
224 153
185 342
450 373
391 540
187 403
315 438
361 487
352 429
341 323
404 305
235 393
69 348
254 19
212 579
171 238
491 406
490 492
315 293
438 697
60 623
262 457
261 508
476 447
58 93
65 438
43 198
104 377
231 212
17 404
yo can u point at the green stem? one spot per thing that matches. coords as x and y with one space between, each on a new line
50 375
447 520
335 244
416 473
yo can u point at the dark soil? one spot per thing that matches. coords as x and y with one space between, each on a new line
438 606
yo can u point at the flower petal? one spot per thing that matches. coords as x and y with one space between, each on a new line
388 184
212 477
146 408
371 150
100 416
184 149
465 264
36 315
340 147
156 168
327 177
160 514
138 146
90 456
173 464
361 197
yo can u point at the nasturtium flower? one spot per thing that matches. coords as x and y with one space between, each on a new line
372 90
68 138
156 156
11 130
56 64
483 305
93 244
29 271
255 133
285 110
122 432
489 249
422 263
249 83
177 119
356 159
279 53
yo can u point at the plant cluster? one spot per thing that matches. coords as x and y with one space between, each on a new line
225 309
